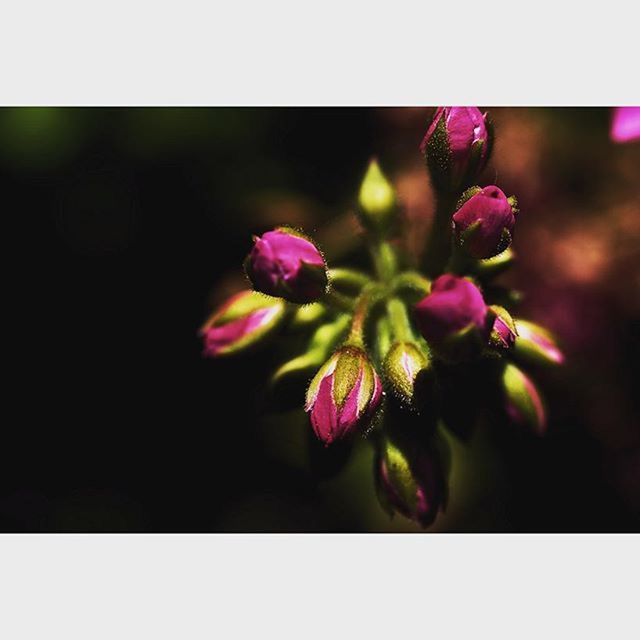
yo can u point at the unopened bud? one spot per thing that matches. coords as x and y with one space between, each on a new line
456 147
377 201
243 321
286 263
536 345
407 369
344 395
523 402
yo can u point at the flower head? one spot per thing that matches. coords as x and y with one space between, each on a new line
243 321
454 311
484 223
343 395
456 146
285 263
410 479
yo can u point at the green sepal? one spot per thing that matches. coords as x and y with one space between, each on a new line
492 267
307 315
467 195
438 157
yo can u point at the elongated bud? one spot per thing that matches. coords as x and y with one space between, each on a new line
504 331
456 147
344 395
484 222
245 320
625 124
377 201
453 318
285 263
536 345
408 371
411 480
523 402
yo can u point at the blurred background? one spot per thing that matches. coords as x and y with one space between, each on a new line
132 224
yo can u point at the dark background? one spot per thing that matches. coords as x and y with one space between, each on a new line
125 226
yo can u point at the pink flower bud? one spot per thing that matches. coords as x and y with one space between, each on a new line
244 320
456 146
411 480
455 308
625 124
484 223
523 402
536 345
343 395
287 264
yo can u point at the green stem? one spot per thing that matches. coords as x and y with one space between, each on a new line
364 304
349 278
399 318
439 245
384 259
338 301
412 280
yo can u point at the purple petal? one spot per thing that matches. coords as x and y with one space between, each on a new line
625 124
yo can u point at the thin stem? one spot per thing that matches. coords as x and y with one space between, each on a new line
338 301
399 318
349 278
364 304
412 280
384 259
439 245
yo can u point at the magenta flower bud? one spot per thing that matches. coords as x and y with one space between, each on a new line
453 315
343 395
523 402
484 223
625 124
285 263
504 331
411 480
243 321
456 146
536 345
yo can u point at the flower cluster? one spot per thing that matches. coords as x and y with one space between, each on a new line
386 349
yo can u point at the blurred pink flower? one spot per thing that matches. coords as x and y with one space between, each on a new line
625 124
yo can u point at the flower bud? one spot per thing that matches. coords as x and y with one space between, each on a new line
484 223
625 124
242 322
410 480
536 345
456 147
343 395
523 402
453 318
285 263
377 201
407 370
504 331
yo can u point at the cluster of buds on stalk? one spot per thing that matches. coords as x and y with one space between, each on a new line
386 350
